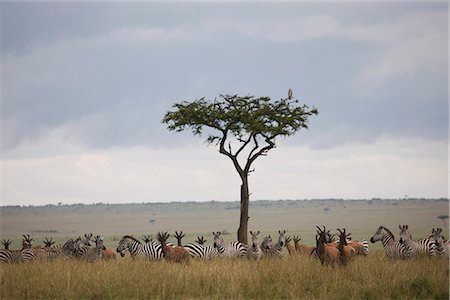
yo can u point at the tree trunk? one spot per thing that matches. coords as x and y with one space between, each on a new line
243 224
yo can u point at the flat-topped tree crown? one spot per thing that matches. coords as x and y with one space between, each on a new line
248 123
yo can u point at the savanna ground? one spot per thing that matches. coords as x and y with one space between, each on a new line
291 277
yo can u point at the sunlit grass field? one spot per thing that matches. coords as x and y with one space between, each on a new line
371 277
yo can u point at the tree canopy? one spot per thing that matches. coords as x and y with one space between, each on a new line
247 119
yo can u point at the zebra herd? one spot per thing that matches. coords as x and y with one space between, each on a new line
406 247
80 248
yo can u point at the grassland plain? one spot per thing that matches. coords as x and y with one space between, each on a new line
294 277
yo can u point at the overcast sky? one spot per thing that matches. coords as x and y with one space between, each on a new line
85 86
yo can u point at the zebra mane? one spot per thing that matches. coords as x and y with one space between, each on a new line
389 232
131 237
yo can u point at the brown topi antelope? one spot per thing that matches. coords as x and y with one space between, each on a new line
290 247
200 240
48 243
345 251
327 254
175 254
108 254
147 238
302 248
6 244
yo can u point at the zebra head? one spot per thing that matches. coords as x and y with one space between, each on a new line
124 244
281 238
69 246
87 239
218 239
437 237
78 244
404 234
254 239
99 243
266 244
380 234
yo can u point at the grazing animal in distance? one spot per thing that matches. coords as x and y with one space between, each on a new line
176 254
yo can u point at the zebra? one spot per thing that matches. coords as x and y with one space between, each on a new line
37 253
254 252
279 248
198 249
392 249
10 256
442 246
266 246
425 246
91 254
137 249
233 249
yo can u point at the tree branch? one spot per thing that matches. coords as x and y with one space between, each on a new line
223 151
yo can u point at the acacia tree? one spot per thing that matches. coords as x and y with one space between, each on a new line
243 128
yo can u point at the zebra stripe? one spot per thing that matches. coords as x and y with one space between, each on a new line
425 246
137 249
392 249
197 250
233 249
10 256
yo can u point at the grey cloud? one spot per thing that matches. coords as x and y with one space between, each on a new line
109 85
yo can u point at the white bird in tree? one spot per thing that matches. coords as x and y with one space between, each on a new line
290 94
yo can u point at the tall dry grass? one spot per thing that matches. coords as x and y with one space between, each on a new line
372 277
